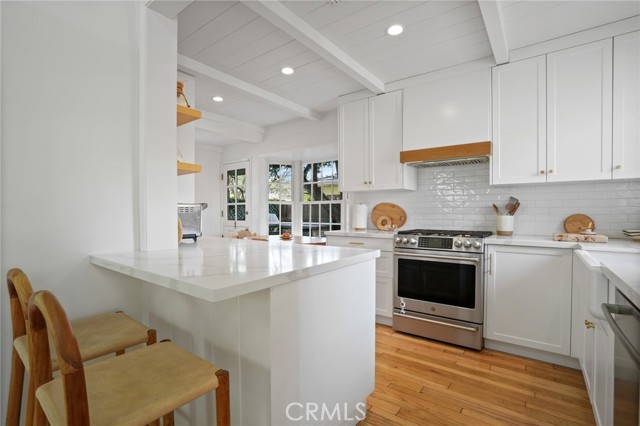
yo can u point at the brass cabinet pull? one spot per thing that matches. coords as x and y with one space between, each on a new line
589 324
541 172
618 167
550 171
356 244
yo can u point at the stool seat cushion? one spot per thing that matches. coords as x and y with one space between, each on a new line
97 335
137 388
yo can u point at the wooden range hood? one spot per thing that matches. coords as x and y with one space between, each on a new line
452 155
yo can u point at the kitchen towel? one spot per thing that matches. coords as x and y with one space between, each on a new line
360 222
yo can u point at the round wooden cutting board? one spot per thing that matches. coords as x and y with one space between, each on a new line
577 222
385 212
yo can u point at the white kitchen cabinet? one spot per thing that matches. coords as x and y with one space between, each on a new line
448 111
579 104
552 116
519 122
384 270
370 145
626 106
529 297
603 380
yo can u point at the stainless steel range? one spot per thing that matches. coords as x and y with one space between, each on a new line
439 285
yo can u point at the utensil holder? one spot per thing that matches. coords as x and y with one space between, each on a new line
504 225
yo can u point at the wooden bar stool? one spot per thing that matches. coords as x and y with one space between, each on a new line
132 389
97 336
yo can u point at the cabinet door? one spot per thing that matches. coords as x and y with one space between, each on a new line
519 122
602 395
384 297
579 97
529 297
353 161
626 106
385 134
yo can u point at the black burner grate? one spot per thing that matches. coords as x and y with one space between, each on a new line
446 233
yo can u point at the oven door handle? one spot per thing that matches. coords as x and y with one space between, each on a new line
609 309
446 324
433 256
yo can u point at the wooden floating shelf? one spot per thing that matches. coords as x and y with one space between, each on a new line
188 168
187 115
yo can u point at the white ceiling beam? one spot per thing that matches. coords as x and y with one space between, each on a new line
283 18
230 128
250 89
170 9
493 23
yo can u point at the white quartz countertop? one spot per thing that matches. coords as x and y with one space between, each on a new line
625 275
615 245
216 269
369 233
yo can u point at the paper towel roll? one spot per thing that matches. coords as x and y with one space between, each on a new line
360 222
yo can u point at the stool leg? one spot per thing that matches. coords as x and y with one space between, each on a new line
15 390
223 407
151 336
31 396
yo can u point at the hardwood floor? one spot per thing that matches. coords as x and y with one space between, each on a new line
421 382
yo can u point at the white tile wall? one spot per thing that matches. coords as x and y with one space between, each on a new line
460 197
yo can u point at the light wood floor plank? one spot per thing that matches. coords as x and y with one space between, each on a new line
420 382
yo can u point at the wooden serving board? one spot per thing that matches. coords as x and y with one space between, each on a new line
384 212
580 238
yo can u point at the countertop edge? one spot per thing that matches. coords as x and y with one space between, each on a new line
613 273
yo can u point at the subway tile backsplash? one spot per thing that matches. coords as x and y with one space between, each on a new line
460 197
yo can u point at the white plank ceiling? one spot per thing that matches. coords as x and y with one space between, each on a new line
230 37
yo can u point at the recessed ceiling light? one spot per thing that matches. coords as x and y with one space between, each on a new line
218 98
287 70
395 30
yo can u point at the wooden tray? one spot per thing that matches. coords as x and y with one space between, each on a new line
385 212
577 222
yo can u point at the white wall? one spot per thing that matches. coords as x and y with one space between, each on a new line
300 139
69 144
208 187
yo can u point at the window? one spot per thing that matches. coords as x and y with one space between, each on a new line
321 199
280 198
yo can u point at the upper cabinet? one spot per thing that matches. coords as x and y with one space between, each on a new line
370 145
626 106
552 115
449 111
579 99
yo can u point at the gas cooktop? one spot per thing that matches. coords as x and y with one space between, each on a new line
446 233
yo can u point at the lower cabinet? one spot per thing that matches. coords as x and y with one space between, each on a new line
528 299
384 270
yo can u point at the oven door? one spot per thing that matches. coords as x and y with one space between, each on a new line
443 284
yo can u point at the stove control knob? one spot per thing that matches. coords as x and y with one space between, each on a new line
405 241
477 245
467 244
398 240
413 241
457 243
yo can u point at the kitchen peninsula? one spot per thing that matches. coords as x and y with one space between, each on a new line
293 324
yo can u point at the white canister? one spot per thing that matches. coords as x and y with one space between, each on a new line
360 222
504 225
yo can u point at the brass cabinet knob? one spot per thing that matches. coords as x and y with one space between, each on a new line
589 324
618 167
550 170
541 172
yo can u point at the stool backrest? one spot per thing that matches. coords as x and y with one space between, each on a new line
20 291
47 317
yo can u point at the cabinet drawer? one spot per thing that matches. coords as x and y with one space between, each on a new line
384 265
382 244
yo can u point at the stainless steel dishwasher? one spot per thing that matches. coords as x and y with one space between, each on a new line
624 319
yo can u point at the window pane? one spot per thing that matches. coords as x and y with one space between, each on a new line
335 227
337 195
273 172
274 213
306 172
315 216
242 176
285 191
305 213
327 171
315 231
324 229
317 193
335 213
285 209
306 192
240 212
231 177
274 229
231 212
326 192
240 192
285 174
325 213
231 195
285 228
317 172
305 231
274 192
